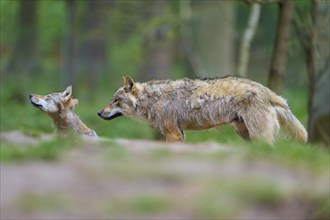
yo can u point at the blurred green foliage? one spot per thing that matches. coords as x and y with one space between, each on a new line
126 36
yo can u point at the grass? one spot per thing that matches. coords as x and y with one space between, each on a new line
30 202
142 204
221 195
225 196
230 198
48 150
313 157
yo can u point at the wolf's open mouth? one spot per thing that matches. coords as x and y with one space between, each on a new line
36 105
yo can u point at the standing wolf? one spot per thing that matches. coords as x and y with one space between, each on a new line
60 108
174 106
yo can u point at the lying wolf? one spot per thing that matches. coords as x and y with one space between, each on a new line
60 108
174 106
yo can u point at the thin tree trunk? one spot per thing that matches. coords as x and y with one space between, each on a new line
158 52
247 38
213 28
307 39
280 54
92 56
311 63
25 56
314 39
68 47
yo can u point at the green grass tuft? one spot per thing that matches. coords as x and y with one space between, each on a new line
144 204
48 150
30 202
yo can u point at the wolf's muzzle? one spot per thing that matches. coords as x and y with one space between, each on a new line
33 103
110 117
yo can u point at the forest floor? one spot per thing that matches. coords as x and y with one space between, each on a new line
42 178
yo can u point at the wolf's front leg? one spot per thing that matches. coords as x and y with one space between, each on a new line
174 135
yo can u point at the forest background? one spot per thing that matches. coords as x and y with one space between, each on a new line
46 45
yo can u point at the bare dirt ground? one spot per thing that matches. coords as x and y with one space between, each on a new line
146 179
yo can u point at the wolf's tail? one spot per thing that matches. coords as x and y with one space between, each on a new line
287 120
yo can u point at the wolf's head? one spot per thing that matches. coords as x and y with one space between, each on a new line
124 101
54 102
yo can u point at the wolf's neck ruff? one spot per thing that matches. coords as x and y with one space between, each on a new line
68 120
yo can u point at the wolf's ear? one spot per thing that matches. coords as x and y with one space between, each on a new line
129 84
67 93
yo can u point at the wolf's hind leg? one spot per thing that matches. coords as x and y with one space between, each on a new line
262 124
241 129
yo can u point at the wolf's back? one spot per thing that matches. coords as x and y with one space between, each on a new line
287 120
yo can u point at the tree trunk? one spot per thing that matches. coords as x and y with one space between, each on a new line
280 54
92 50
68 47
25 55
318 67
158 52
311 62
244 53
213 29
314 39
319 118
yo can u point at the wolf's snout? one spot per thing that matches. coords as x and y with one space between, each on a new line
109 115
34 102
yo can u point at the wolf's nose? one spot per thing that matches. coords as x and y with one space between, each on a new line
99 113
30 96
